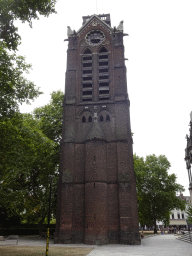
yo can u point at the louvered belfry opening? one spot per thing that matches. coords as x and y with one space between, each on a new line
103 66
87 79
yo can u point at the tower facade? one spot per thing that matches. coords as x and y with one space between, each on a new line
97 201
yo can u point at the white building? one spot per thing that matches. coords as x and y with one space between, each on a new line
178 217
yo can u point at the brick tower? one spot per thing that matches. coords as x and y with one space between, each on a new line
97 201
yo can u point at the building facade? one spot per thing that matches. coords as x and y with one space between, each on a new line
97 200
188 155
178 217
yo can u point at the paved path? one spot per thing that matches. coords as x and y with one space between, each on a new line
160 245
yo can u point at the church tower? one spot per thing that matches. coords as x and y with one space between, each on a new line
97 200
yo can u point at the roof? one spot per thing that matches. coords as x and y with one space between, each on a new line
94 17
103 19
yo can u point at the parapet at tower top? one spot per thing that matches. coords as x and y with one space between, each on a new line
105 17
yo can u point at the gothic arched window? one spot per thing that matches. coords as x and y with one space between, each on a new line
107 118
101 118
103 49
90 119
87 51
83 119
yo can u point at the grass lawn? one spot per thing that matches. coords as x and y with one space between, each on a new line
40 251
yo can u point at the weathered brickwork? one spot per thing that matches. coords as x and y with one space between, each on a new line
97 201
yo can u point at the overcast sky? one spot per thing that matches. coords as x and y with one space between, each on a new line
159 69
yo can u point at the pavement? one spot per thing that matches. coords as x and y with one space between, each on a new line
158 245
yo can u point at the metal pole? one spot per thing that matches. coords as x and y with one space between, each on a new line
49 214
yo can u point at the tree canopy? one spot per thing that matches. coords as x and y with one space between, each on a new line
51 116
156 190
27 157
27 153
189 213
14 87
24 10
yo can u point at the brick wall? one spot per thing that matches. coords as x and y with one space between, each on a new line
97 201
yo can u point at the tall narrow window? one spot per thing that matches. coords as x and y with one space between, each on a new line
90 119
103 66
87 88
107 118
83 119
101 119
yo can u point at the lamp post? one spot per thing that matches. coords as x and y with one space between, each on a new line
49 214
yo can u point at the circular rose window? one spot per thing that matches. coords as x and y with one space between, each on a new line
95 37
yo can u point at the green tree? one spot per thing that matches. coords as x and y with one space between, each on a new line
51 116
189 213
27 155
14 87
29 152
24 10
50 119
25 164
156 190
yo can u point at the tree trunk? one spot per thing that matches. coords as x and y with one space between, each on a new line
40 226
155 228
